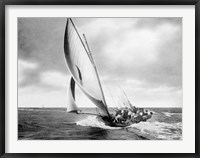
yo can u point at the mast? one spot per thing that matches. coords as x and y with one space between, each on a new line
95 68
92 59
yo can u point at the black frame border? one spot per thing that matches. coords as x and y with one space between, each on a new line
4 3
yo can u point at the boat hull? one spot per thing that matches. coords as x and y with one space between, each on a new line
109 122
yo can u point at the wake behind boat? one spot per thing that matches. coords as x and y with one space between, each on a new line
84 73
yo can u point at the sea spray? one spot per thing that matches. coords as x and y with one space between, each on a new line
93 121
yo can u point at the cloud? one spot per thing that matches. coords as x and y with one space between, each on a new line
142 55
55 79
29 78
123 49
50 90
26 73
154 23
41 41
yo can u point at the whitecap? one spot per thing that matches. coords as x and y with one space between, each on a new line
156 129
93 121
169 114
160 129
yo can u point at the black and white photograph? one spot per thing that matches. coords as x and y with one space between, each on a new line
99 78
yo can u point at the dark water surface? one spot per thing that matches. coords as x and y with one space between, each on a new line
57 124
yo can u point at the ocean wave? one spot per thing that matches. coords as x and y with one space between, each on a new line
42 109
26 109
169 114
160 129
93 121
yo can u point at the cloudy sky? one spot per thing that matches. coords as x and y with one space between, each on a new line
143 56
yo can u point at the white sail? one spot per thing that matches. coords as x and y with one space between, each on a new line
82 67
71 105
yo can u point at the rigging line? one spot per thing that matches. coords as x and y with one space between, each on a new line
114 101
79 36
74 41
116 85
79 46
76 45
125 95
89 51
90 54
109 93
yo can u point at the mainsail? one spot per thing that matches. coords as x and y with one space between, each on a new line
71 105
82 67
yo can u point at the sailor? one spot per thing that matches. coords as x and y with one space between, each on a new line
133 115
141 113
118 112
130 114
133 109
118 118
149 115
125 114
144 117
138 118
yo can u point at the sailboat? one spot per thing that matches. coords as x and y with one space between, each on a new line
82 67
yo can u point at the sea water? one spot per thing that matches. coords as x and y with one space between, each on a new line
57 124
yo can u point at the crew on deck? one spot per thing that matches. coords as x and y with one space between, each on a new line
133 114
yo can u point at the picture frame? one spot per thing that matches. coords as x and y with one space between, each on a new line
97 2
